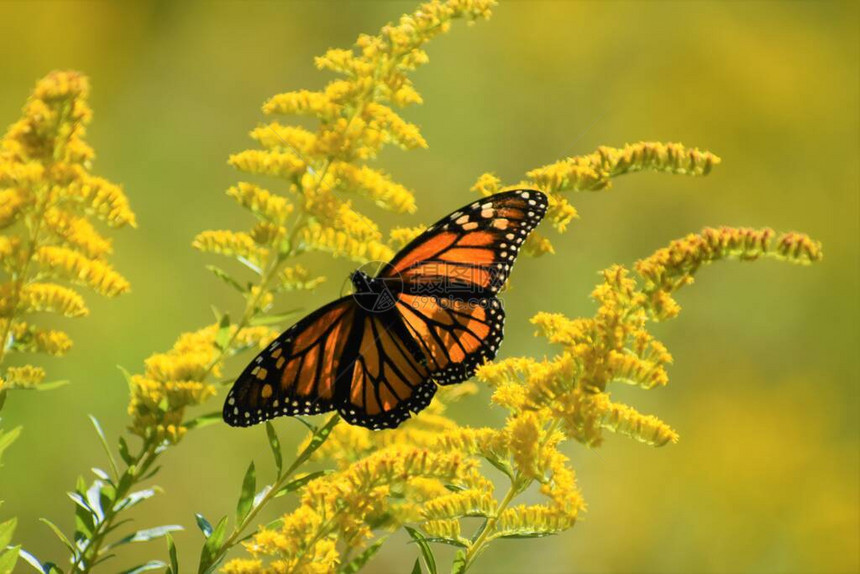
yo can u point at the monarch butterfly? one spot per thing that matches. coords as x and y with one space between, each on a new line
429 317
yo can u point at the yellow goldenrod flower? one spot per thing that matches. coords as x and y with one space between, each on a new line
230 243
340 244
261 202
399 237
48 198
77 268
594 172
283 164
297 278
24 377
376 186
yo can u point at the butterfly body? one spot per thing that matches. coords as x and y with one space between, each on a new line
429 317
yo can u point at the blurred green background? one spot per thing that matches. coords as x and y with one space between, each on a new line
764 388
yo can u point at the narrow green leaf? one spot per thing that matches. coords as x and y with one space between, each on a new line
226 278
51 385
34 562
7 530
300 482
448 541
7 438
252 266
135 498
59 534
526 534
223 334
212 546
124 452
426 551
104 442
151 565
307 425
9 558
359 561
146 535
171 551
416 568
3 393
504 466
94 500
203 420
271 318
275 445
246 498
459 565
319 437
203 524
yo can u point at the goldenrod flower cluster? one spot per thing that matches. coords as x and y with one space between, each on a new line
594 172
48 200
175 380
325 168
550 400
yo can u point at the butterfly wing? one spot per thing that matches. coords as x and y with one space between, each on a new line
453 335
298 372
471 251
390 377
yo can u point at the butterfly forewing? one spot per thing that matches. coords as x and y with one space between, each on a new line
297 372
472 250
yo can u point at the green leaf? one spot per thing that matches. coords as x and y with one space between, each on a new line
504 466
213 545
319 437
151 565
272 318
59 534
459 565
223 334
37 566
51 385
359 561
426 551
203 524
250 265
514 534
124 454
448 541
203 420
171 551
7 530
3 393
226 278
275 445
416 568
246 498
104 442
135 498
146 535
9 558
300 482
7 438
306 424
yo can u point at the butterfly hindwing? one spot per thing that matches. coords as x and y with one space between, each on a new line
390 377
